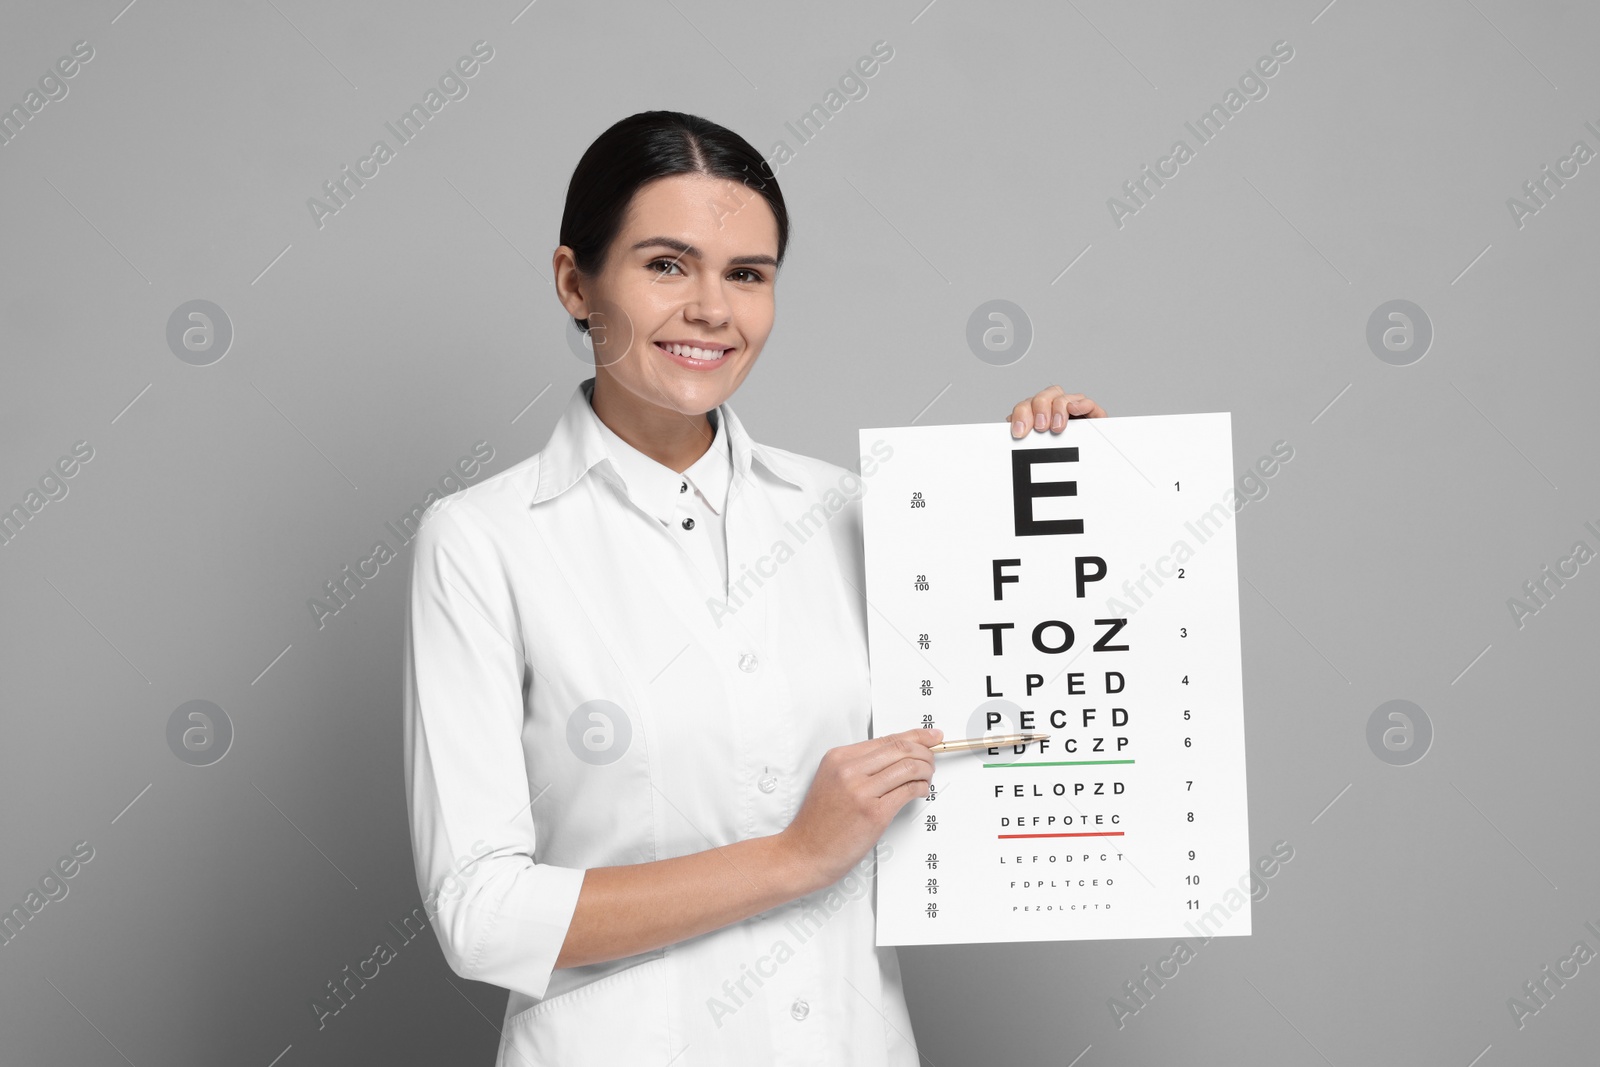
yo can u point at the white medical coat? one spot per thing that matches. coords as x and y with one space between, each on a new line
577 693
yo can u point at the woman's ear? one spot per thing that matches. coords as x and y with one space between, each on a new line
569 282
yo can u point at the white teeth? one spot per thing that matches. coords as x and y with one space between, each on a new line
695 353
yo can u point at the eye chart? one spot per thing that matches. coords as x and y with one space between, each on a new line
1083 585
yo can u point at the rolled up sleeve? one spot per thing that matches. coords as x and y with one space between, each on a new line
499 914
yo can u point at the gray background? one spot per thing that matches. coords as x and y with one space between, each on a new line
370 355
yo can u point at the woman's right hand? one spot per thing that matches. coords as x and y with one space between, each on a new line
857 790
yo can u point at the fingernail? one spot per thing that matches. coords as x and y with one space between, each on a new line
1058 421
1041 421
1018 428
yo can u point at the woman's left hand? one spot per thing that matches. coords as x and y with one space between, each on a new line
1049 409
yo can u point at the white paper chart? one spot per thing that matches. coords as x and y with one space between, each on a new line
1084 585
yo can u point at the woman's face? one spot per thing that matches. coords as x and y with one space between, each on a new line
694 264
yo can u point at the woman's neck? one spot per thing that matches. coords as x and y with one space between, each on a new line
668 436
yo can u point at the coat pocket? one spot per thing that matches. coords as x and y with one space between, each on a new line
619 1019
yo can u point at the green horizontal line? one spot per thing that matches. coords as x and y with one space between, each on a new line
1062 763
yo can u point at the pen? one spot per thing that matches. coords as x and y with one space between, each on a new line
994 741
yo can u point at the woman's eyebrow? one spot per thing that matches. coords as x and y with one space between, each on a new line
694 253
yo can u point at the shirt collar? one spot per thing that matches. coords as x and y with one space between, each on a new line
580 441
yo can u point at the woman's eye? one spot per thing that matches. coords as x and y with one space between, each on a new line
669 262
751 276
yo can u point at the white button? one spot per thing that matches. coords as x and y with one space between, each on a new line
748 662
799 1009
767 784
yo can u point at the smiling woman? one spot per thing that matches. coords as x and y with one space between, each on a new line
669 259
664 793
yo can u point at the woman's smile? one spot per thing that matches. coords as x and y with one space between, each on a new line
702 355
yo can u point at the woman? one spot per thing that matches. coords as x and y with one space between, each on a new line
636 690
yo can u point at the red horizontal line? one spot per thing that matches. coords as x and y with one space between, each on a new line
1107 833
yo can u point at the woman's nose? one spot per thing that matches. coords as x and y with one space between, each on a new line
709 304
